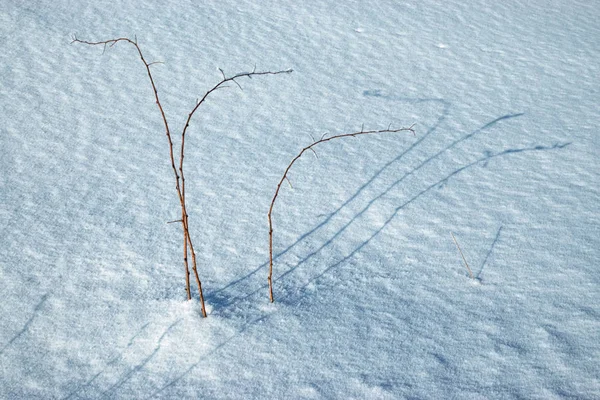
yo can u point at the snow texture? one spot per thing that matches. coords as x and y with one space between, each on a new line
372 298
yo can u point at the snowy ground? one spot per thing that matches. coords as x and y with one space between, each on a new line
372 298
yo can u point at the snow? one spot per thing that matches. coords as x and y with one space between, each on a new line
372 298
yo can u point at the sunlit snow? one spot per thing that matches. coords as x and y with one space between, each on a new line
373 300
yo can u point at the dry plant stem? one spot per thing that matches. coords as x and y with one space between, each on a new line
463 256
191 114
187 268
194 265
180 193
285 177
183 136
179 175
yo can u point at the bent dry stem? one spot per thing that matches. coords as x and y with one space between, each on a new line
178 172
285 177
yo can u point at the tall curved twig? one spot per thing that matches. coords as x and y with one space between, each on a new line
180 193
284 177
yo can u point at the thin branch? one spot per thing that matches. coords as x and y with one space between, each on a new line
223 82
179 172
199 103
180 187
220 85
462 255
238 85
188 290
284 177
113 42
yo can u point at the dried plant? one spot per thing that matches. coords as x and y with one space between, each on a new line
178 171
285 177
463 256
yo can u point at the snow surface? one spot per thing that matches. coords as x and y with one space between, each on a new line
372 298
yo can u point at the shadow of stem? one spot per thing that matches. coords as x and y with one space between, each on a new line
214 295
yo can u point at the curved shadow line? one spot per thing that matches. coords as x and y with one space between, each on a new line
141 365
217 348
399 181
27 324
376 233
108 364
366 208
484 159
424 191
446 109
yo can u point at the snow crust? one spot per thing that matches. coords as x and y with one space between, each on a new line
372 299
